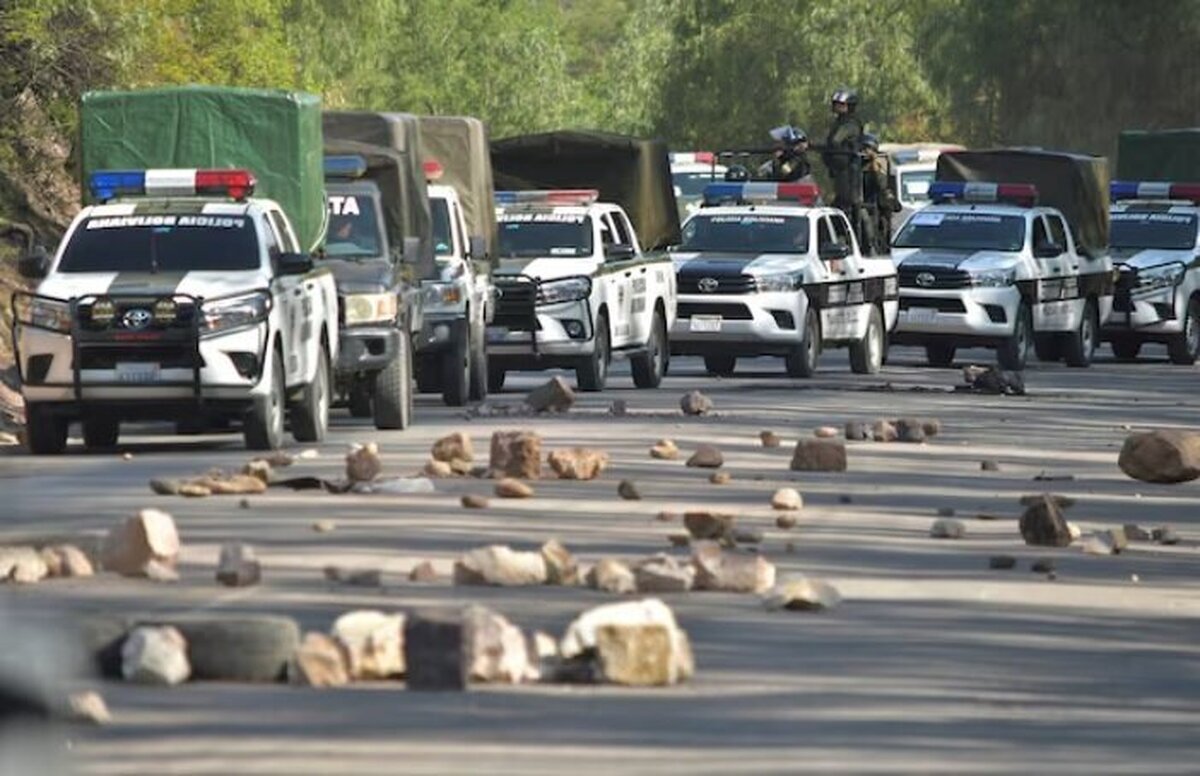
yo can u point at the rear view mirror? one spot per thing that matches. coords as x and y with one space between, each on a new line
619 252
294 264
478 249
833 251
1047 250
35 264
410 253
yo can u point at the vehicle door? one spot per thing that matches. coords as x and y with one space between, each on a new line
1058 302
288 291
615 276
841 317
636 280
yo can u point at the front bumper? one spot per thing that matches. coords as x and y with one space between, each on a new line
438 330
366 348
1147 313
975 314
558 331
741 324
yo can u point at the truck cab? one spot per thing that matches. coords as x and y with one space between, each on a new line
764 270
574 290
1155 241
691 172
177 296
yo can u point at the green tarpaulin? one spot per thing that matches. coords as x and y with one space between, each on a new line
633 173
274 134
460 146
1075 184
1164 155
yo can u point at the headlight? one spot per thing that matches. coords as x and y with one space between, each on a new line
568 290
441 294
235 311
994 278
1159 277
369 308
43 313
769 283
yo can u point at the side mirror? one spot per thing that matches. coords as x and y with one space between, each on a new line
833 251
410 253
35 264
478 249
619 252
294 264
1047 250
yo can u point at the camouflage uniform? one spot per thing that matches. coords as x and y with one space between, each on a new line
880 202
845 165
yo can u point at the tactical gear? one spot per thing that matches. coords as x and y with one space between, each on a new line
847 96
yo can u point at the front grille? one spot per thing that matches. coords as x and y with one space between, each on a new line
941 305
516 303
184 318
728 310
167 357
725 284
934 277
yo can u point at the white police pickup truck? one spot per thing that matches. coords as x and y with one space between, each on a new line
763 270
1155 246
984 266
178 297
574 290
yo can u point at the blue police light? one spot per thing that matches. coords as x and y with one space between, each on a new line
109 184
1160 190
805 194
980 191
349 166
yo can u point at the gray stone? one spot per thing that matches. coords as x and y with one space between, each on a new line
495 649
1165 535
319 662
553 396
769 439
1162 456
434 653
731 572
155 655
611 576
910 430
819 455
883 431
561 566
363 463
748 536
1043 524
474 501
708 525
238 567
1135 533
695 403
989 466
948 528
628 490
857 431
706 457
1043 566
663 574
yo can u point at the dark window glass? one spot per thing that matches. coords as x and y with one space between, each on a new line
162 243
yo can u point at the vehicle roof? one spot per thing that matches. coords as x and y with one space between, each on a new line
769 210
182 206
1172 205
592 209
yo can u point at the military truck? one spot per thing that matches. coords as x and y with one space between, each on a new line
377 162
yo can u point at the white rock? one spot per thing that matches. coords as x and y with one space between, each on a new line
373 643
787 499
582 634
948 528
237 566
803 594
500 565
147 537
155 655
496 649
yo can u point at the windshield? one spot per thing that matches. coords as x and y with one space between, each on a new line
162 243
443 242
691 184
914 185
963 231
746 233
353 227
545 234
1166 231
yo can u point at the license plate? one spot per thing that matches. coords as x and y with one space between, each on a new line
1056 309
497 333
706 323
922 314
137 373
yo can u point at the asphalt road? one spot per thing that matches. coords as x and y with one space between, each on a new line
933 664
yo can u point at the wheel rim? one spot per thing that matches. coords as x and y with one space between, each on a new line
1087 335
1022 337
277 403
874 344
811 342
1192 325
602 353
323 394
656 354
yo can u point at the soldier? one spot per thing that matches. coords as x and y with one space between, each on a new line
789 162
878 199
841 157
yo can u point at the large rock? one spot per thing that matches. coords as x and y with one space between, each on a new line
554 396
732 572
910 430
155 655
578 463
695 403
708 525
435 657
561 567
787 500
802 594
636 655
706 457
509 487
819 455
884 431
857 431
501 566
948 528
665 450
626 645
496 650
363 463
319 662
23 565
437 469
147 537
238 567
373 643
611 576
453 447
1163 456
1043 523
663 574
517 454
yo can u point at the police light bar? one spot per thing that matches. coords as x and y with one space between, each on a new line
1155 190
109 184
348 166
561 197
433 170
760 192
1024 194
692 157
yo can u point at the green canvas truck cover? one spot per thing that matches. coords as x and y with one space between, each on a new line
276 135
460 145
631 172
1076 184
1163 155
406 208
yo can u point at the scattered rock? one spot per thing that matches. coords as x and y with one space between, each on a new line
372 643
825 432
665 450
244 504
1099 544
146 537
1165 535
708 525
663 574
157 571
319 662
770 439
1043 523
748 536
731 572
512 488
553 396
460 467
438 469
633 643
720 478
422 572
194 490
931 426
619 408
1117 538
453 447
883 431
667 516
435 657
786 522
695 403
363 463
237 566
819 455
990 380
989 466
611 576
481 472
706 457
165 487
22 565
517 454
787 499
948 528
856 431
910 430
495 649
1163 456
578 463
354 577
500 565
802 594
561 567
1043 566
324 526
155 655
231 485
1135 533
475 501
679 539
628 491
259 469
89 707
1002 562
52 561
1074 530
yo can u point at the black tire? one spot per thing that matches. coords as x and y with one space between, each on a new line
310 415
1126 348
1047 348
360 398
1013 353
1184 348
428 372
940 354
479 366
649 366
802 361
101 433
45 432
866 355
238 649
1080 345
394 390
456 367
263 424
495 378
592 372
720 366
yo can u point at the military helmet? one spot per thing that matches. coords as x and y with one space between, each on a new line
870 141
789 135
848 96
